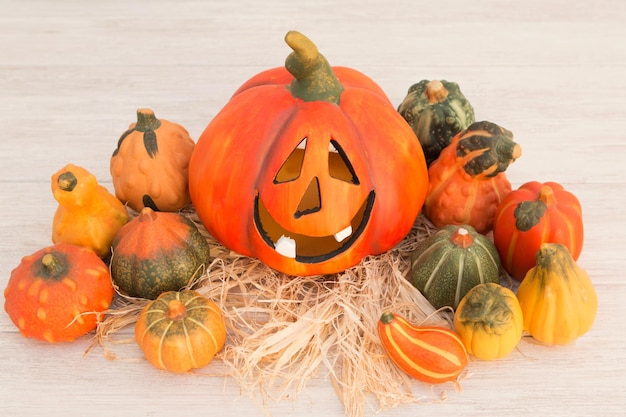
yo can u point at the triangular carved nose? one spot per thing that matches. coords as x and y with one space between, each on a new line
311 201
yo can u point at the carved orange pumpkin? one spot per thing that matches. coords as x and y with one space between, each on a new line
309 168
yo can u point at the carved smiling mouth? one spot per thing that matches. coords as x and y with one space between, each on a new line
310 249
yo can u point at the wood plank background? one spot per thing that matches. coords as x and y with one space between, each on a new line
73 73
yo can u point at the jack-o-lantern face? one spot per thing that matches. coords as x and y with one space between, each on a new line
308 182
297 212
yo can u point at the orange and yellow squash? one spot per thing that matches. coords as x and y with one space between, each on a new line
533 214
431 354
180 331
308 167
150 165
489 320
557 297
87 215
468 180
58 293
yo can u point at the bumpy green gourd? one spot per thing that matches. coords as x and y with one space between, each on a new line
436 110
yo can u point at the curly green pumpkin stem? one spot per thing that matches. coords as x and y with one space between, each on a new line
314 79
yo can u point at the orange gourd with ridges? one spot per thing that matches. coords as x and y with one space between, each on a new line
533 214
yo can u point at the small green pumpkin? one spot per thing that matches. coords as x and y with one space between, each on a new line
157 252
436 110
452 261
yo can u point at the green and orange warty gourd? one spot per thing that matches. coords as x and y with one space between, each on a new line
150 165
87 215
180 331
437 111
468 181
58 293
157 252
308 167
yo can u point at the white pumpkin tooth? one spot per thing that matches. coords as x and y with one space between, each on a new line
286 246
339 236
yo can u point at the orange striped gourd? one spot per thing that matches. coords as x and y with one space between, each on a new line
431 354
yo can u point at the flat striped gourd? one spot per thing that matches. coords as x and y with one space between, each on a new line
431 354
450 262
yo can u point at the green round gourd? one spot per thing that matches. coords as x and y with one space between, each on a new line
157 252
450 262
436 111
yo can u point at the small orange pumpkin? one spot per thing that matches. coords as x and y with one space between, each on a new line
180 331
57 293
150 164
467 181
87 215
533 214
431 354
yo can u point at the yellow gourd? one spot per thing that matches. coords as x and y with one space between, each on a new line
557 297
489 321
87 215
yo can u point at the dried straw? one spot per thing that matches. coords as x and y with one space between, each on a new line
283 330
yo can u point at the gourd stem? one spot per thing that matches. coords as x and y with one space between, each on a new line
67 181
146 120
147 215
53 268
546 194
462 238
314 79
436 92
387 317
176 310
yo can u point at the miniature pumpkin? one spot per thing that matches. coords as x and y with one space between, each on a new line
557 297
533 214
157 252
180 331
87 215
467 181
58 293
150 165
332 171
437 111
489 320
450 262
431 354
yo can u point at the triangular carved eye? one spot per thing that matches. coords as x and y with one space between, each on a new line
291 168
339 165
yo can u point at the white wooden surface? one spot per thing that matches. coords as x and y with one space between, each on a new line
73 73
